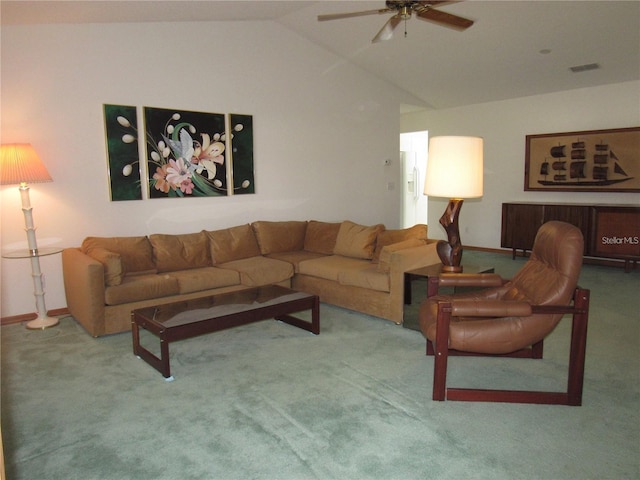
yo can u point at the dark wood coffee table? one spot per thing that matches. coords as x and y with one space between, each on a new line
191 318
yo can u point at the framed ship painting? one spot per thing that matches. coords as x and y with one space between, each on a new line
589 161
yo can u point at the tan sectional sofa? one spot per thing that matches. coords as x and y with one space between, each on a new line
346 264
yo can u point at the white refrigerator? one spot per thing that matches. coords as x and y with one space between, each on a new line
413 161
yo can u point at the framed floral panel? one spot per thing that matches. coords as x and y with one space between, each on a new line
588 161
242 153
123 166
186 153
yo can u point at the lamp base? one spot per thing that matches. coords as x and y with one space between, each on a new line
41 323
450 252
451 268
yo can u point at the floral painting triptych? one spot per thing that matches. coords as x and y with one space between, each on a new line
187 154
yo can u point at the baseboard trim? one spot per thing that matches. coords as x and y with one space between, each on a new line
27 317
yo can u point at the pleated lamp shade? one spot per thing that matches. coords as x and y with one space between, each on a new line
19 163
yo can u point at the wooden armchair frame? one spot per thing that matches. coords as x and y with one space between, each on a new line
579 311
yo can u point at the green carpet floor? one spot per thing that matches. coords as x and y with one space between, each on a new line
270 401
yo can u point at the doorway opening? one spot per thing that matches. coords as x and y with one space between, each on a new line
414 150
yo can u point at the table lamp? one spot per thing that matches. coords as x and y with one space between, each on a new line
454 170
20 164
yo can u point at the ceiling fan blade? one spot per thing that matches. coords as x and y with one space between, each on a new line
445 19
386 33
337 16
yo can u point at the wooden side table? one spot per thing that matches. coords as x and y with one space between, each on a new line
411 311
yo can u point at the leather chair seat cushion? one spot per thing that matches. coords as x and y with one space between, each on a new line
258 271
180 252
487 335
198 279
135 288
330 267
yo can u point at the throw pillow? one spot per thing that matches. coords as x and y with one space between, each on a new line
136 252
357 241
389 237
112 263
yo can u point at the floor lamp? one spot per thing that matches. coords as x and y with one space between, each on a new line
20 164
455 171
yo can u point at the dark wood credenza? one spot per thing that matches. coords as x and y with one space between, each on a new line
610 231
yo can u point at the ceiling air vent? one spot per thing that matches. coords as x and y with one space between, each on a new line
584 68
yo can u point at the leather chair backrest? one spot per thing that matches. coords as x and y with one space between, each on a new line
551 274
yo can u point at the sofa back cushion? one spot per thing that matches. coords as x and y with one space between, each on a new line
357 241
233 243
180 252
135 253
389 237
277 237
320 237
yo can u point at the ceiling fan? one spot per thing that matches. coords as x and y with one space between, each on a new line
404 10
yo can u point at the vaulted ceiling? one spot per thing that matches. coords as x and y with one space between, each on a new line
514 49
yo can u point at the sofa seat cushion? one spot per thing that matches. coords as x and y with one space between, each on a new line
368 277
277 237
135 288
294 258
180 252
258 271
198 279
234 243
330 267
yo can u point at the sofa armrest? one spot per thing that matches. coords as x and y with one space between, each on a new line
402 261
84 289
412 258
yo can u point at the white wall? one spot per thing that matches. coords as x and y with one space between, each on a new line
504 126
322 130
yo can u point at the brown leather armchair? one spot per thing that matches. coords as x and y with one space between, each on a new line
512 318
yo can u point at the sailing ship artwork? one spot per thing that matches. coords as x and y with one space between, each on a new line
598 160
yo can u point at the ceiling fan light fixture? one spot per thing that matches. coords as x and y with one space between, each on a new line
403 10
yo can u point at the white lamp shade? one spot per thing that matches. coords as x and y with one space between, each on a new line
19 163
454 167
